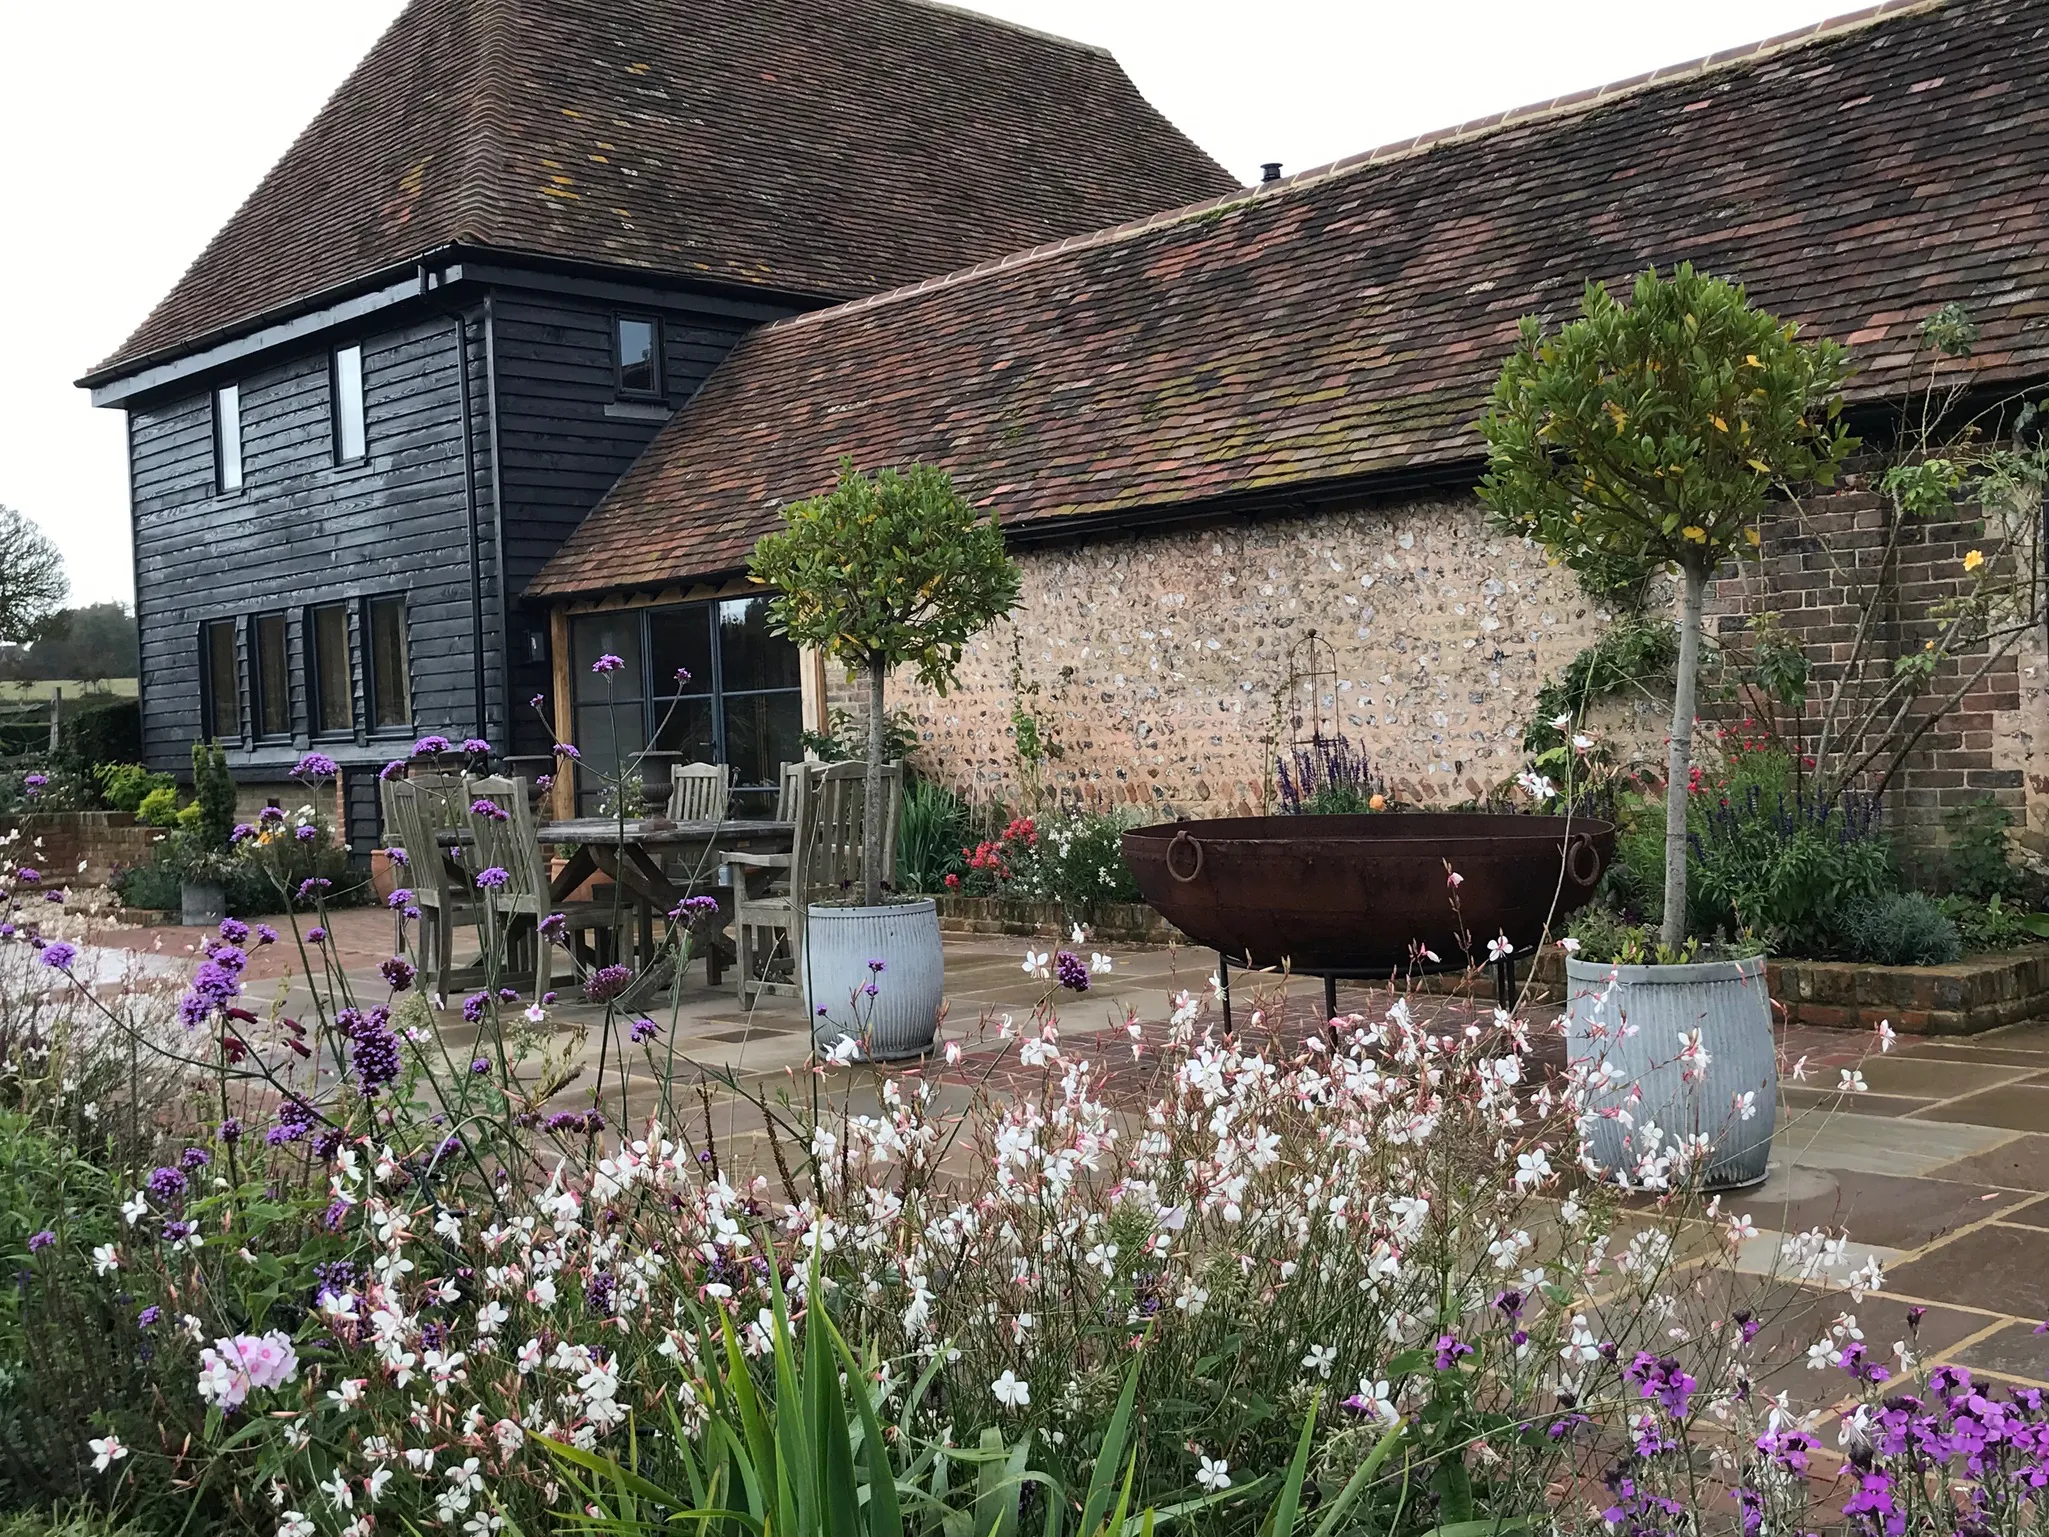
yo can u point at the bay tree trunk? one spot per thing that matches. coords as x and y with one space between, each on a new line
1680 760
871 806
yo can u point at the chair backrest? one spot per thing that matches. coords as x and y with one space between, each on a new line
698 792
790 787
442 799
427 870
507 842
831 819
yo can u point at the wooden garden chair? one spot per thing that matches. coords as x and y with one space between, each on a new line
514 910
446 897
773 892
698 792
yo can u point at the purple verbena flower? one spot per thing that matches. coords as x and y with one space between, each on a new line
195 1158
484 806
168 1184
234 931
398 972
1072 971
493 878
399 898
476 747
265 934
41 1240
607 982
473 1007
148 1316
59 956
565 750
306 832
395 769
642 1030
429 746
315 766
312 887
608 663
316 935
28 875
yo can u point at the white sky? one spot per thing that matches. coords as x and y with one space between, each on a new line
134 127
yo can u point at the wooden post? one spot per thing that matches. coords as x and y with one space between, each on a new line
56 720
564 791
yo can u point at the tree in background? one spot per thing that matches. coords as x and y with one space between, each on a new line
32 580
897 570
1652 434
91 644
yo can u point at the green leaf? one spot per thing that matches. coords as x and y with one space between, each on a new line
1298 1469
1111 1452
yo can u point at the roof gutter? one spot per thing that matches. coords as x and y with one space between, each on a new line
336 306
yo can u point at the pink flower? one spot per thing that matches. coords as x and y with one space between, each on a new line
233 1366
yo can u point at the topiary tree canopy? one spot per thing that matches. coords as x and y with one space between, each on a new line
885 571
1652 434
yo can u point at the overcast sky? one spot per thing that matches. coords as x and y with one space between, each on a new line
134 127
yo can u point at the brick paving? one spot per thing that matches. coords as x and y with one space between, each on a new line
1941 1168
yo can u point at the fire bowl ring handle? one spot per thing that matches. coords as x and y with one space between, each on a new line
1182 838
1582 862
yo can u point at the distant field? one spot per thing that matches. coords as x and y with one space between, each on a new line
38 692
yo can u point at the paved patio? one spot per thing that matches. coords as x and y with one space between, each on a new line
1941 1169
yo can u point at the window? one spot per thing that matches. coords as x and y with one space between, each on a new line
640 364
227 438
389 677
221 701
741 705
331 693
272 678
348 405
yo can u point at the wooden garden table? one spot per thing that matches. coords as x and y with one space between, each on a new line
632 854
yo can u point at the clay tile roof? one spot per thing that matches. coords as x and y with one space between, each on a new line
813 147
1347 324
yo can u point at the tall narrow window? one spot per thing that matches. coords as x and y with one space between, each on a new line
227 438
333 698
640 364
222 706
348 405
391 695
273 678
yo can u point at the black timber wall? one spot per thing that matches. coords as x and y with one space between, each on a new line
565 436
303 530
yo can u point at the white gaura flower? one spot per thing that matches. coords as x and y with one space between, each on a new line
1035 963
1011 1390
1499 948
1532 1168
106 1451
373 1486
1886 1035
348 1391
1374 1399
105 1259
339 1495
293 1523
1569 945
1744 1104
1099 963
1853 1082
135 1208
1215 1474
1741 1229
1321 1359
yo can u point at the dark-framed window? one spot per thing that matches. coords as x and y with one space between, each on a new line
387 670
350 440
742 704
227 438
220 700
330 682
271 676
637 348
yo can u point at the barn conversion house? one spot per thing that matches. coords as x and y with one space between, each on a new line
460 401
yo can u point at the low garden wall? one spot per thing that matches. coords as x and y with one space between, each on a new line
1128 923
56 842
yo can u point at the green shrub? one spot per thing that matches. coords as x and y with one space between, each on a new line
151 886
1906 928
1073 857
1988 925
157 808
1980 858
1765 856
935 822
213 792
126 786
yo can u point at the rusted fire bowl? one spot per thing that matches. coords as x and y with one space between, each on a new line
1351 894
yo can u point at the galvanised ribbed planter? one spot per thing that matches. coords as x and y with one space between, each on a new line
901 1017
1637 1019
